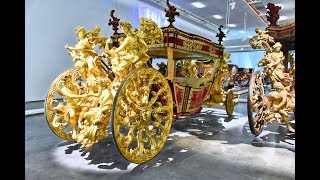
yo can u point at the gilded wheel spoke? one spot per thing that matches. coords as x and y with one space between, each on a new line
155 97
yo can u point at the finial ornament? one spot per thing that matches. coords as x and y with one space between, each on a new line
171 13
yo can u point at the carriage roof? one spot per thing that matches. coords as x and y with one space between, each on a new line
185 45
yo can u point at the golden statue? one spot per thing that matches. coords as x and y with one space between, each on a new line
180 69
261 40
279 102
191 69
281 99
186 68
88 93
273 63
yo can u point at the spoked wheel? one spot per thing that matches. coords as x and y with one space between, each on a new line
142 115
54 111
255 104
229 103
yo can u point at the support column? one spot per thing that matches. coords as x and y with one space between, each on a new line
170 65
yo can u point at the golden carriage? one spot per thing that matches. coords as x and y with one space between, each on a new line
265 107
242 77
119 88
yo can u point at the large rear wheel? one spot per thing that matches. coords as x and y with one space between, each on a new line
255 103
142 115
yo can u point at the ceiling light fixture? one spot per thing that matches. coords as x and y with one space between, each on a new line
232 25
232 5
198 5
217 16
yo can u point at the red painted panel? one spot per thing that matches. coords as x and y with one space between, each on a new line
196 99
217 52
179 93
205 91
168 39
205 48
179 42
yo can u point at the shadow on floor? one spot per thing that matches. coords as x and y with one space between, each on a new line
216 125
104 152
275 135
106 155
208 125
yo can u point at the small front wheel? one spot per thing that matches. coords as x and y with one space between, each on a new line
230 103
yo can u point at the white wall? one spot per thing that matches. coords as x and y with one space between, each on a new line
247 59
50 24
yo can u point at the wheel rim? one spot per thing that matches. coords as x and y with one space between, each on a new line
55 119
230 103
141 119
255 103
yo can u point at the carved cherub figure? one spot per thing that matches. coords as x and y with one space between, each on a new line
89 103
191 68
273 62
261 40
74 100
83 45
132 52
95 38
279 102
84 52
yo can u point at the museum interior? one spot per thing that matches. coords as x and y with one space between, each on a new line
160 89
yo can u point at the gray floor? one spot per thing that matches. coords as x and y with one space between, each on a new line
205 146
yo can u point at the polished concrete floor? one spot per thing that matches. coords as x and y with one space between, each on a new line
209 145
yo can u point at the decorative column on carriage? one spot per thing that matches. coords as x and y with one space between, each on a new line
171 12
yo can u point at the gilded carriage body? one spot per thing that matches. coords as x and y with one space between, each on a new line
113 84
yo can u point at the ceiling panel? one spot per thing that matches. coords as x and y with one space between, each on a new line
242 15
